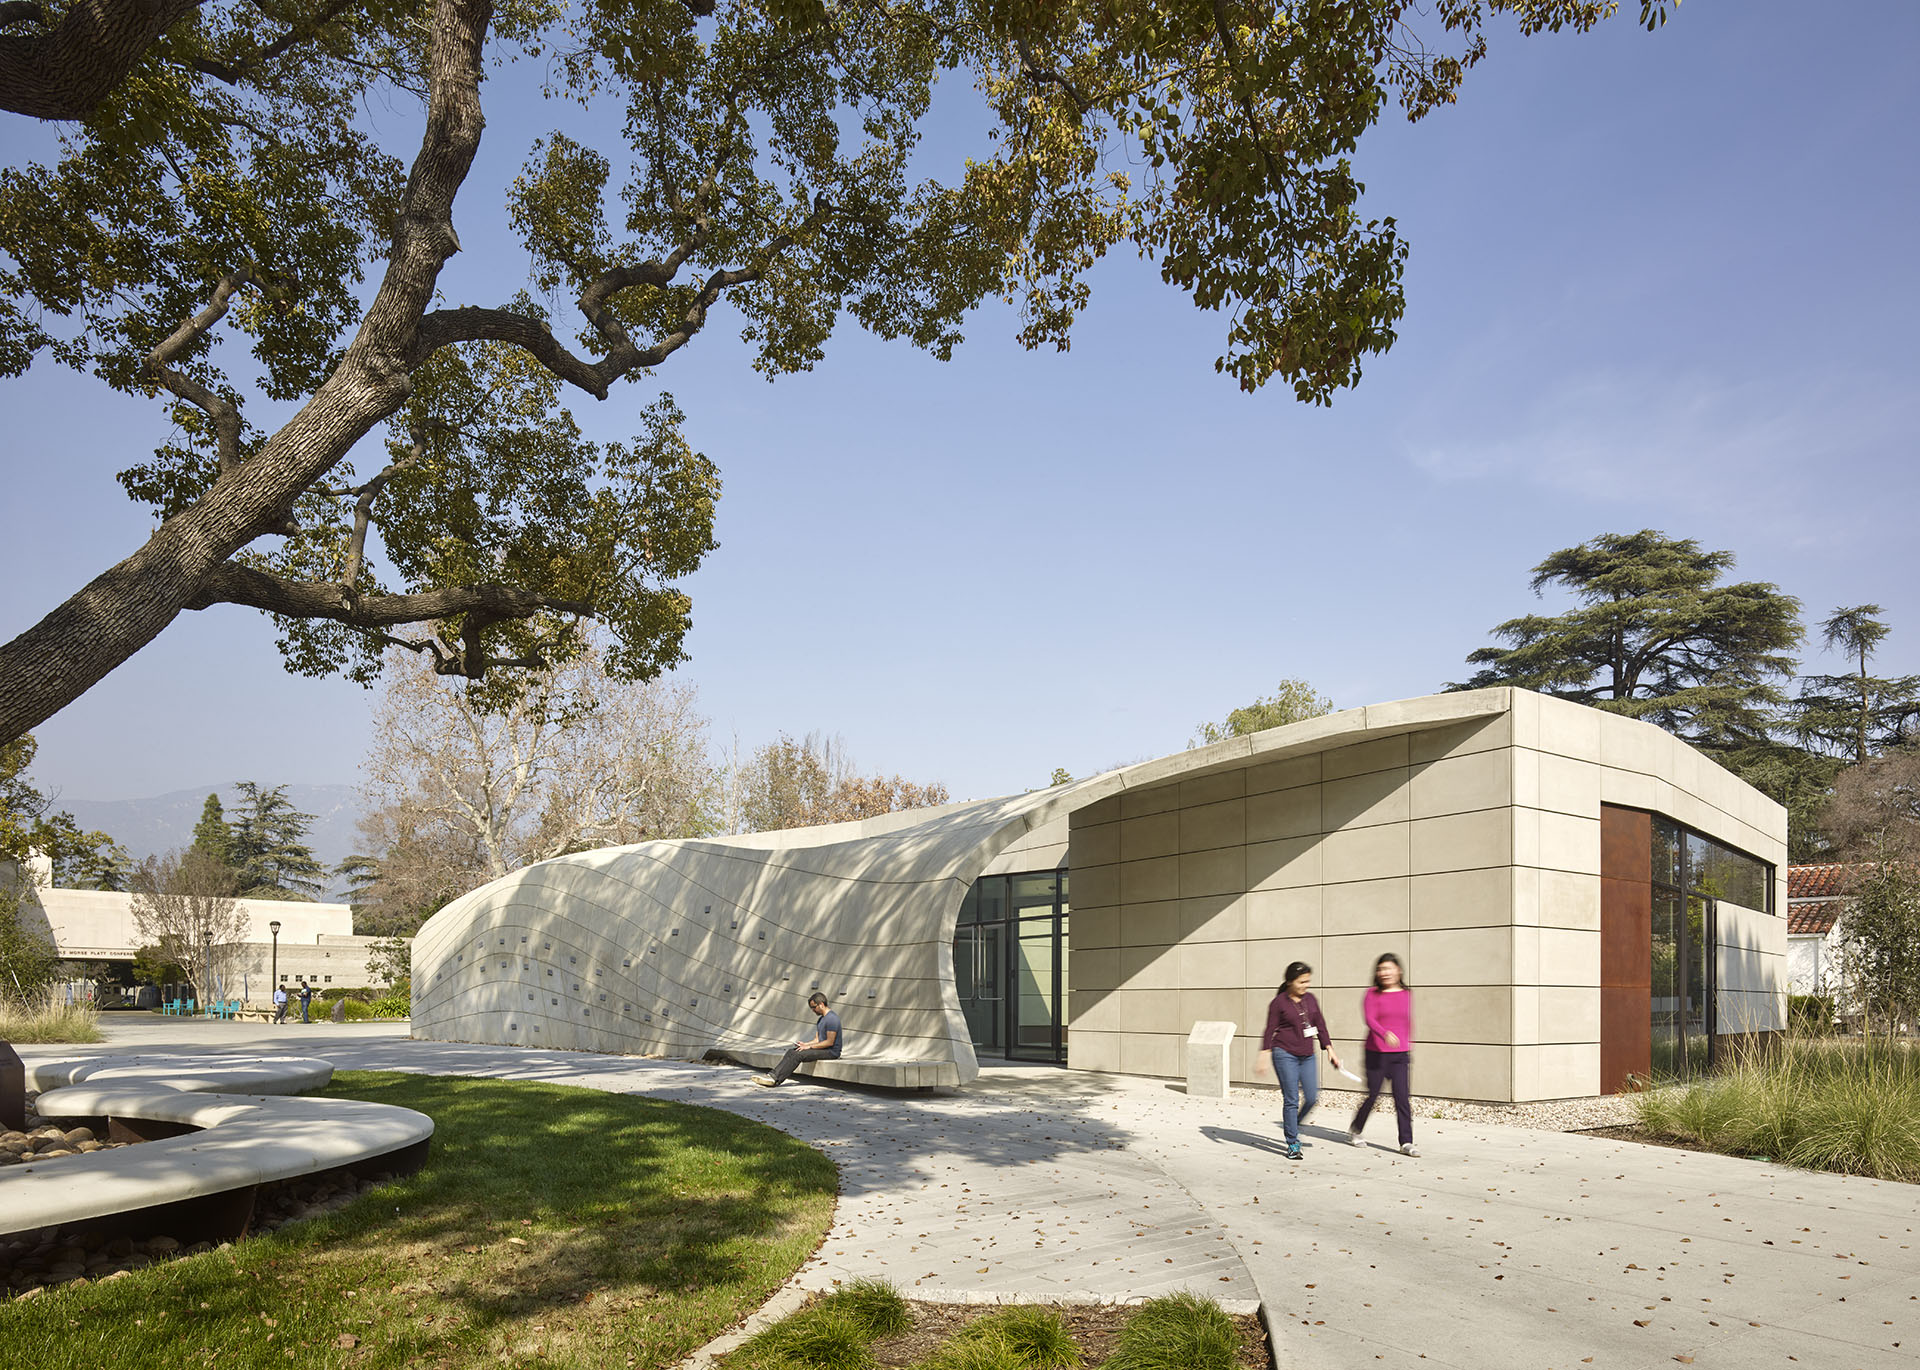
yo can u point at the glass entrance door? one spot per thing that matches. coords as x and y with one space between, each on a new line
1010 965
979 956
1036 979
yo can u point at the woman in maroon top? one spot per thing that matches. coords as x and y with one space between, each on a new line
1295 1034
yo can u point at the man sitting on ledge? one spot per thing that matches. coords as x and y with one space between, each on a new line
825 1045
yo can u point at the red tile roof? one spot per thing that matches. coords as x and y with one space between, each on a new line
1814 917
1816 882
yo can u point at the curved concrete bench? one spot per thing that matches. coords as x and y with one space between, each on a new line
857 1070
194 1074
208 1153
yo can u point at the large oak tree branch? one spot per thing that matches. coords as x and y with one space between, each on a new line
447 327
67 72
233 73
223 413
126 607
234 583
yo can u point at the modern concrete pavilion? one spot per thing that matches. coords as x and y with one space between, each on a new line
1578 897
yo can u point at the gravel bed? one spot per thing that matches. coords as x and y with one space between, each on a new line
1554 1115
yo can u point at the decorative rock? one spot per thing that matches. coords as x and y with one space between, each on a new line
79 1135
162 1246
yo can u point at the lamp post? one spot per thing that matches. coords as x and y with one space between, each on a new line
273 976
207 972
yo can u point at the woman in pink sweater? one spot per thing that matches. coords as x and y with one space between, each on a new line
1388 1009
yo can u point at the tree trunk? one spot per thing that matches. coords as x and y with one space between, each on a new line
66 73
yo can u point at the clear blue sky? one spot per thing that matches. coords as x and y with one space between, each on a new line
1658 280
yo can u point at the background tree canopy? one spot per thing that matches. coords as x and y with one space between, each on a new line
1656 634
420 480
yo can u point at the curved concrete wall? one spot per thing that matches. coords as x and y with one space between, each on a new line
683 947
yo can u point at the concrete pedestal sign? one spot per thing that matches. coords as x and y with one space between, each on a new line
1207 1047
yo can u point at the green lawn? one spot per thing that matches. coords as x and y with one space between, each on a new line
551 1226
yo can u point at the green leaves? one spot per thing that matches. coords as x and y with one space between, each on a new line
1655 636
233 187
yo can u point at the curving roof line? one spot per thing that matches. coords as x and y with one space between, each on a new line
868 908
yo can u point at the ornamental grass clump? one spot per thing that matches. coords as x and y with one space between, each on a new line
1177 1332
975 1349
1850 1105
833 1334
48 1018
874 1305
1021 1338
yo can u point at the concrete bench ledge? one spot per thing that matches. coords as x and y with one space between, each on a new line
213 1130
245 1141
195 1074
858 1070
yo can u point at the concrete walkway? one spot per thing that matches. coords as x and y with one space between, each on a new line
1500 1247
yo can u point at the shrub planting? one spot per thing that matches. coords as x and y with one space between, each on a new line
1824 1103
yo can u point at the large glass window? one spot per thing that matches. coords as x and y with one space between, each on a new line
1692 875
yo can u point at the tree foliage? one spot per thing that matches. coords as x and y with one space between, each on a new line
211 835
464 785
267 847
797 784
1294 702
381 457
184 910
1874 823
29 823
1856 715
1656 635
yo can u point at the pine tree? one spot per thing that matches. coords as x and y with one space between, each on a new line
1655 635
1856 715
268 848
211 835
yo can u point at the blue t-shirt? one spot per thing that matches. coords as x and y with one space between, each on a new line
830 1022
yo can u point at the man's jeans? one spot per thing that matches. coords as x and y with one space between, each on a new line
794 1056
280 1012
1299 1078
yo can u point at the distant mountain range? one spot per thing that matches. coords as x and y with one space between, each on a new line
149 826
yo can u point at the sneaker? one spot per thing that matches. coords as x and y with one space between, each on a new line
1294 1153
1409 1149
765 1081
1355 1139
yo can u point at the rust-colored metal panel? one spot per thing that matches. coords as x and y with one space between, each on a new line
1626 843
1626 934
1626 1036
1626 945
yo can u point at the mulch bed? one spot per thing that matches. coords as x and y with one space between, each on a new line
1096 1327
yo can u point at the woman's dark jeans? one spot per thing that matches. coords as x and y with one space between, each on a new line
1383 1066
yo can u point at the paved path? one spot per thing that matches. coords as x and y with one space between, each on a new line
1501 1247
